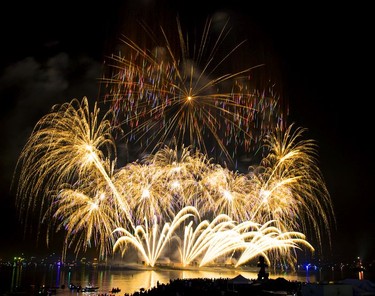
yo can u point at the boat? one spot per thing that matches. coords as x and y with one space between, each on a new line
74 287
89 288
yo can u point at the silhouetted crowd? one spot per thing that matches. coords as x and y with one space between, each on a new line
221 287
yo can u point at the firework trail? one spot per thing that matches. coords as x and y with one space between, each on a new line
70 158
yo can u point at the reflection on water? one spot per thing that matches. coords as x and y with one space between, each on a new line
129 281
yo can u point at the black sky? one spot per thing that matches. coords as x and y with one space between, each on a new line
52 53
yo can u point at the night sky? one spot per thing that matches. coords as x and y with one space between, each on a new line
319 55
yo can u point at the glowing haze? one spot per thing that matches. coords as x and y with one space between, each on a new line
177 195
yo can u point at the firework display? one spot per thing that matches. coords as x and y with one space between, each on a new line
168 92
176 194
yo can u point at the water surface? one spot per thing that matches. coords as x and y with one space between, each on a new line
19 278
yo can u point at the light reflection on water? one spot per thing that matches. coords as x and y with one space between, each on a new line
130 281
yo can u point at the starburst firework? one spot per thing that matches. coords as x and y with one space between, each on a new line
167 92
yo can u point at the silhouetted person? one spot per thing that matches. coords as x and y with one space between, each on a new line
262 274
